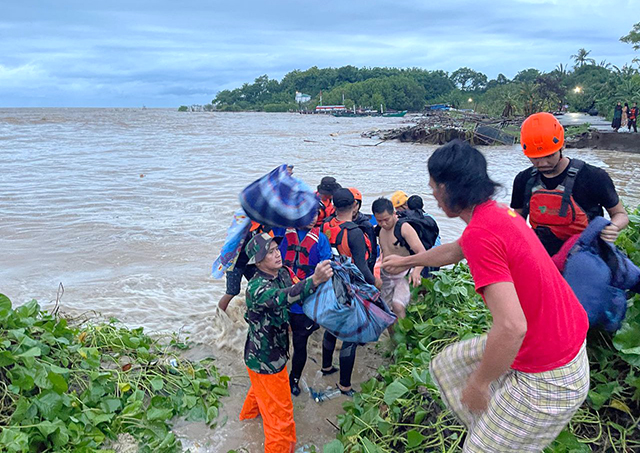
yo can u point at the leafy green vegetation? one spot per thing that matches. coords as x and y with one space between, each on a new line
66 388
584 86
401 409
573 131
279 107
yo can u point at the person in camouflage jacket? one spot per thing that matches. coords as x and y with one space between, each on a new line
270 293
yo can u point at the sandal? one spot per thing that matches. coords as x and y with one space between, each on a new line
348 393
330 371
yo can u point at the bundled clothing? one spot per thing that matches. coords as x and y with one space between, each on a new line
280 200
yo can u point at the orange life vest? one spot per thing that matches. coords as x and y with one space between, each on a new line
297 255
555 211
335 230
327 209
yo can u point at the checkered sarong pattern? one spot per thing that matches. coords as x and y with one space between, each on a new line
527 411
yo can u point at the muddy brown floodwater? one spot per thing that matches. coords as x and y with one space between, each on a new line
128 209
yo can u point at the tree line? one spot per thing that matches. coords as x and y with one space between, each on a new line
583 86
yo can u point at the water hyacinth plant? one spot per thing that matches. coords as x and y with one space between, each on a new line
401 409
66 388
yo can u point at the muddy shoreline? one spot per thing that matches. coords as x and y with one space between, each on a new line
314 422
614 141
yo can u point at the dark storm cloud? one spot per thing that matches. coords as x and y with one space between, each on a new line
166 53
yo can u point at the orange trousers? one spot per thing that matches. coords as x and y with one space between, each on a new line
270 396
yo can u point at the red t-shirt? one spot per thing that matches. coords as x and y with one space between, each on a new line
500 247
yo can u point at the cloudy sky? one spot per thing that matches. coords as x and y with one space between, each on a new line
164 53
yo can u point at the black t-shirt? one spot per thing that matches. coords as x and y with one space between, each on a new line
593 189
362 220
355 238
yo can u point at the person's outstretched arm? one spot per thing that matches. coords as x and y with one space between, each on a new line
443 255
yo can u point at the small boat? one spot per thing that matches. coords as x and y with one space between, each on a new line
395 114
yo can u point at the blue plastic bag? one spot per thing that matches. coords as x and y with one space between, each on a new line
280 200
348 307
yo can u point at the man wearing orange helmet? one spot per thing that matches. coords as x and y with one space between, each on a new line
559 195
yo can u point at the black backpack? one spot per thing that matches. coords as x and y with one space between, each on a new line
425 226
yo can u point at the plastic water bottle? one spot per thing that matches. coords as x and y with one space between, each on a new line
303 385
329 394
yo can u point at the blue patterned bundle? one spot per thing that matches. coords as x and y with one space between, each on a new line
347 306
280 200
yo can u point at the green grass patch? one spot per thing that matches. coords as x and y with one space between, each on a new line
574 131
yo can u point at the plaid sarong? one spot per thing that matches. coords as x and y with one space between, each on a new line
280 200
527 411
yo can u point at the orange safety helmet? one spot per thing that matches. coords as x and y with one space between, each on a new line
541 135
356 194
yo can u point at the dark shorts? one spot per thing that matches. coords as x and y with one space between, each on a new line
234 278
426 272
302 325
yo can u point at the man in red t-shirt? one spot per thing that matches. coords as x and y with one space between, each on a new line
517 386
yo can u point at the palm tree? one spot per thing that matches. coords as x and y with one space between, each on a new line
628 90
530 98
605 64
581 58
562 70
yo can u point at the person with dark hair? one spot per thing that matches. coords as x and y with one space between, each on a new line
518 385
559 195
416 204
625 115
347 239
617 117
396 291
364 222
270 293
326 189
633 118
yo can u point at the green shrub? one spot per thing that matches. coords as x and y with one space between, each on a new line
273 108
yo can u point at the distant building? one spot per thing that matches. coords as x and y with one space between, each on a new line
330 108
301 98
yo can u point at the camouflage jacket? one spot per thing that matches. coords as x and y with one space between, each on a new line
268 300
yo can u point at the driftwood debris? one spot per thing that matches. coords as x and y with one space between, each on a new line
440 127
